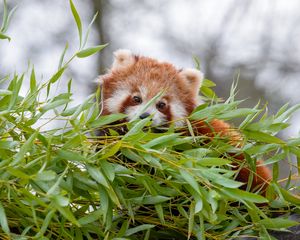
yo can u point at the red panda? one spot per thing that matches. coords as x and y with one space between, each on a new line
134 80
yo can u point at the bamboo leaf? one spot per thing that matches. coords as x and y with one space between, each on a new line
140 228
277 223
65 211
61 59
77 20
71 156
105 120
32 81
25 148
161 140
191 219
150 200
98 176
241 112
3 36
190 180
3 220
4 92
57 75
240 195
90 51
263 137
91 217
53 105
211 161
46 223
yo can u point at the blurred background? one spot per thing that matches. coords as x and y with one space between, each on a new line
257 39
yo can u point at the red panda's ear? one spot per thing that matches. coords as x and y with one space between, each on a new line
123 58
192 78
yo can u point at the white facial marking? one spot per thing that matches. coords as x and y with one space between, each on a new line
115 101
143 91
178 113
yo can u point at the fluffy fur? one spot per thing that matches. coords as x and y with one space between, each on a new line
134 80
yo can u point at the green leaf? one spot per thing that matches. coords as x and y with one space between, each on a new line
89 29
57 75
108 169
32 81
55 78
61 59
241 195
262 137
191 219
98 176
4 92
150 199
6 17
15 85
161 140
46 223
57 183
90 51
219 179
18 173
208 83
90 217
160 212
211 161
104 202
132 155
61 200
139 228
197 62
3 220
27 146
65 211
208 92
53 105
107 119
77 20
241 112
71 156
277 223
212 111
137 128
3 36
8 144
290 197
190 180
45 176
197 152
283 116
74 142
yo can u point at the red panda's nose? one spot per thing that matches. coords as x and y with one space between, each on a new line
144 115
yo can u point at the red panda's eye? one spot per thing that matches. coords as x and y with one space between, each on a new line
137 99
161 105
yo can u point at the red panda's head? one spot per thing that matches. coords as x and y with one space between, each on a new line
134 80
